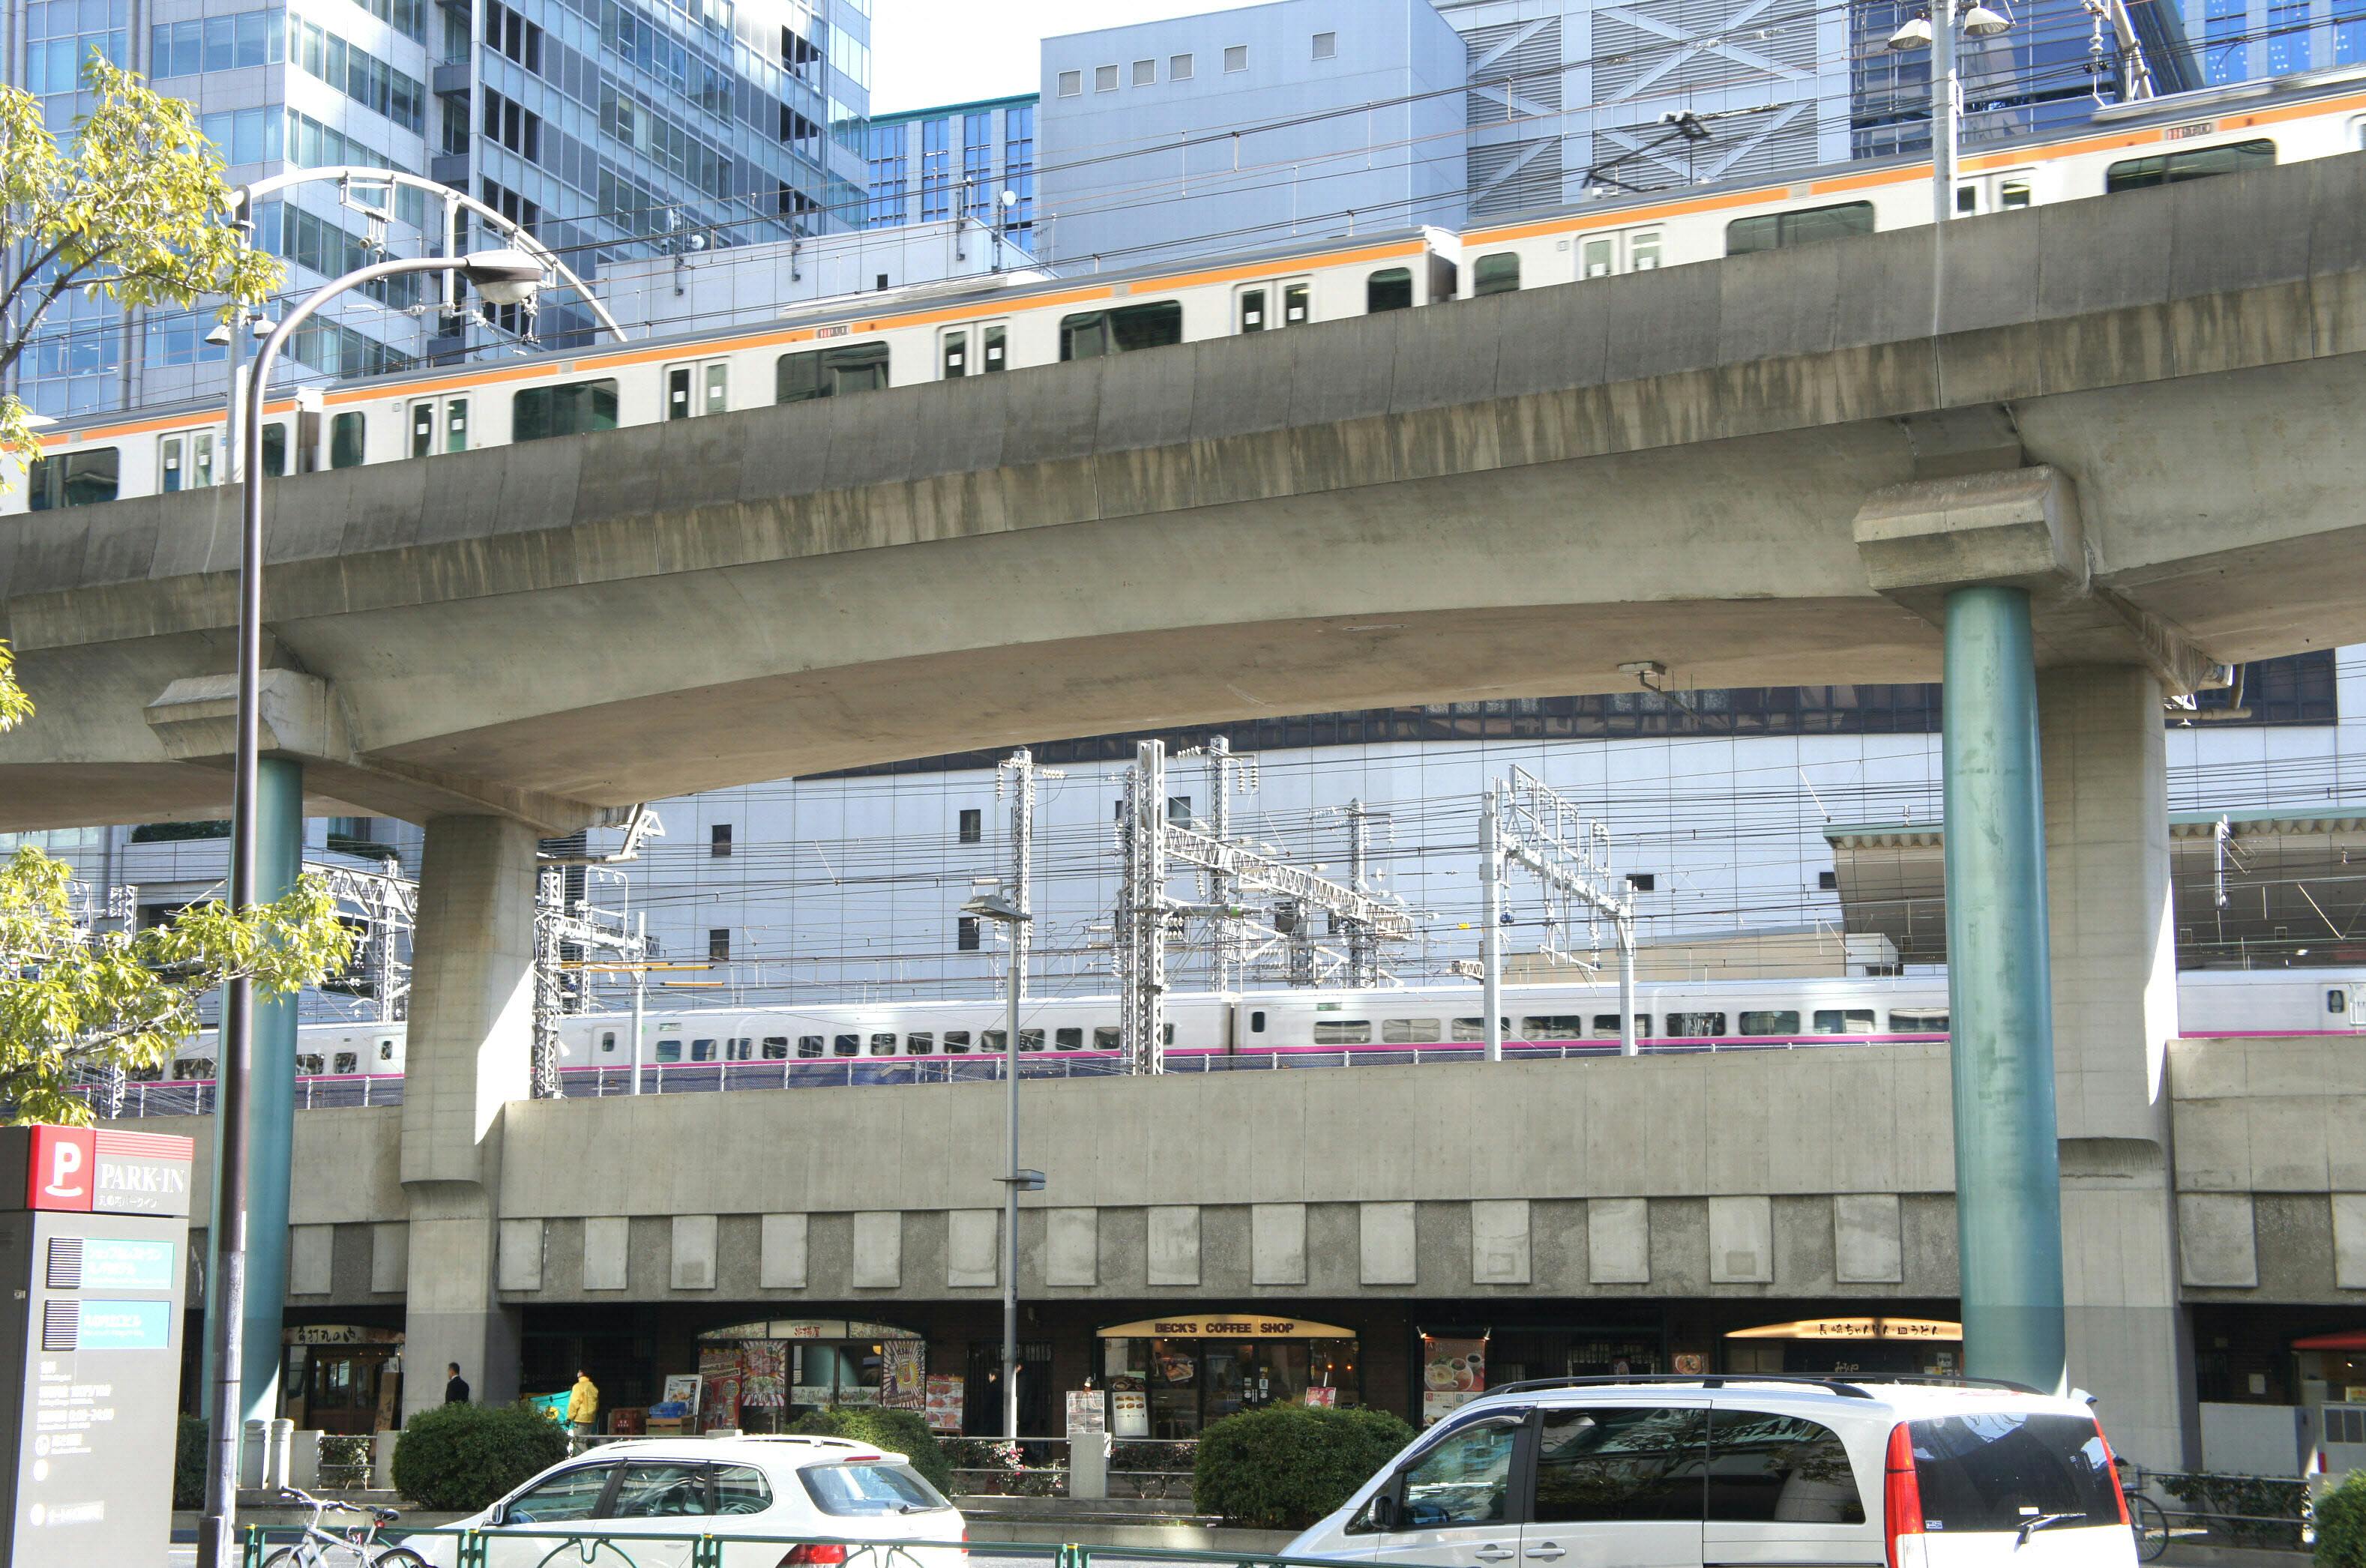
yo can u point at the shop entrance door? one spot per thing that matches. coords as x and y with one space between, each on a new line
981 1393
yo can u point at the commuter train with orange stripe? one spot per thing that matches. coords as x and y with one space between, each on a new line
982 327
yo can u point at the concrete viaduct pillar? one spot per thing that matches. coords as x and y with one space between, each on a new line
2060 943
471 1039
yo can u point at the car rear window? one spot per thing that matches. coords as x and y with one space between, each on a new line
856 1490
1999 1470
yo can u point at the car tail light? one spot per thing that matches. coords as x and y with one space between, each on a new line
813 1554
2119 1492
1901 1495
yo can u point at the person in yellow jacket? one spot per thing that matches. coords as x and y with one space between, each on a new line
583 1407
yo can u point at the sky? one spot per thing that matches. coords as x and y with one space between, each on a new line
926 52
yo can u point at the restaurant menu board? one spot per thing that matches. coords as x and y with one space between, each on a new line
1453 1373
1088 1413
903 1381
945 1397
1129 1410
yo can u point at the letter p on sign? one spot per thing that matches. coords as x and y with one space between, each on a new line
60 1169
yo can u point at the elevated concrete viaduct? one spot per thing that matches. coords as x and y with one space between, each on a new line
2118 450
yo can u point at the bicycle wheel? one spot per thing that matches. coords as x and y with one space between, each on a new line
397 1556
2151 1526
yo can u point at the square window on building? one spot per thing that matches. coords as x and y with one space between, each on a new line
1237 57
1642 881
1828 881
973 825
1178 68
718 841
966 934
1072 84
1179 809
1104 78
718 945
1145 74
1326 46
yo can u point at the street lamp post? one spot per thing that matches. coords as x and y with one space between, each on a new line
503 277
1936 32
994 907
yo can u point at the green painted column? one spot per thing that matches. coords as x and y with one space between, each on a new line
271 1106
2008 1176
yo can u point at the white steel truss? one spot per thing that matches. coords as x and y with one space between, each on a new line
1525 822
560 925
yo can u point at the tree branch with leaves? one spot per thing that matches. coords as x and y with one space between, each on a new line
76 1004
131 206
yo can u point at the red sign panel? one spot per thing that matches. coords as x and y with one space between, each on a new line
62 1171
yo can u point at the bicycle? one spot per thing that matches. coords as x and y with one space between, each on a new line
2146 1518
357 1548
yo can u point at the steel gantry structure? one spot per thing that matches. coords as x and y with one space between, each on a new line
1525 822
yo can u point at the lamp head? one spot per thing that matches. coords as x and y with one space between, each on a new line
1986 22
1912 33
503 277
261 327
219 336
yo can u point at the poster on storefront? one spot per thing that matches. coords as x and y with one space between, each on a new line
1087 1412
1130 1411
1454 1373
720 1368
1691 1362
763 1382
903 1383
1321 1398
682 1387
945 1399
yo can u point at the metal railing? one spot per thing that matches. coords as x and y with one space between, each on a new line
195 1097
707 1549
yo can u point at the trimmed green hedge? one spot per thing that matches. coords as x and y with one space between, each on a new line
189 1464
1287 1465
2342 1524
462 1457
892 1431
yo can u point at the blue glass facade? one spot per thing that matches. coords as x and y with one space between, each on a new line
927 165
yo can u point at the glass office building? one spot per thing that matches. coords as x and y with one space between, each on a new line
957 160
610 127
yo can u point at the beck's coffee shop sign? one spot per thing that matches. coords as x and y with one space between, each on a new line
94 1249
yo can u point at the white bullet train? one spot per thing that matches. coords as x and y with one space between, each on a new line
1323 1028
898 338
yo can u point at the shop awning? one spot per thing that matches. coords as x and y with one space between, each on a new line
1226 1326
2351 1341
1854 1328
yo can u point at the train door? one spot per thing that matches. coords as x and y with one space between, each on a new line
438 424
977 348
701 387
186 461
2006 190
1273 304
1629 251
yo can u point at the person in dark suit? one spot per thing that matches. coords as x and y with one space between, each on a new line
456 1389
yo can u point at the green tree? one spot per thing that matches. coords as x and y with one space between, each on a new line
74 1004
131 205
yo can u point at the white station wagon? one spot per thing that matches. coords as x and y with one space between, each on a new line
1683 1472
841 1502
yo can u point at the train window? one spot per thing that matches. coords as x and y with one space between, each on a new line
2336 1001
1606 1025
170 476
956 1042
1780 230
776 1048
385 1050
345 440
198 1067
1553 1027
1108 1037
1643 251
1967 198
991 1040
809 1047
422 429
1391 288
308 1062
608 1042
694 389
920 1043
1695 1026
1094 334
2013 194
274 449
1597 257
1498 273
883 1045
668 1050
2199 163
1248 311
1844 1020
1256 1021
1918 1020
1297 303
1343 1031
538 413
953 354
1408 1031
846 1044
75 479
1068 1039
197 471
993 350
1475 1028
830 372
747 1047
1769 1022
1030 1039
349 1061
701 1050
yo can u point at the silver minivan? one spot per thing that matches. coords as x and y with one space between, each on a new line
1683 1472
